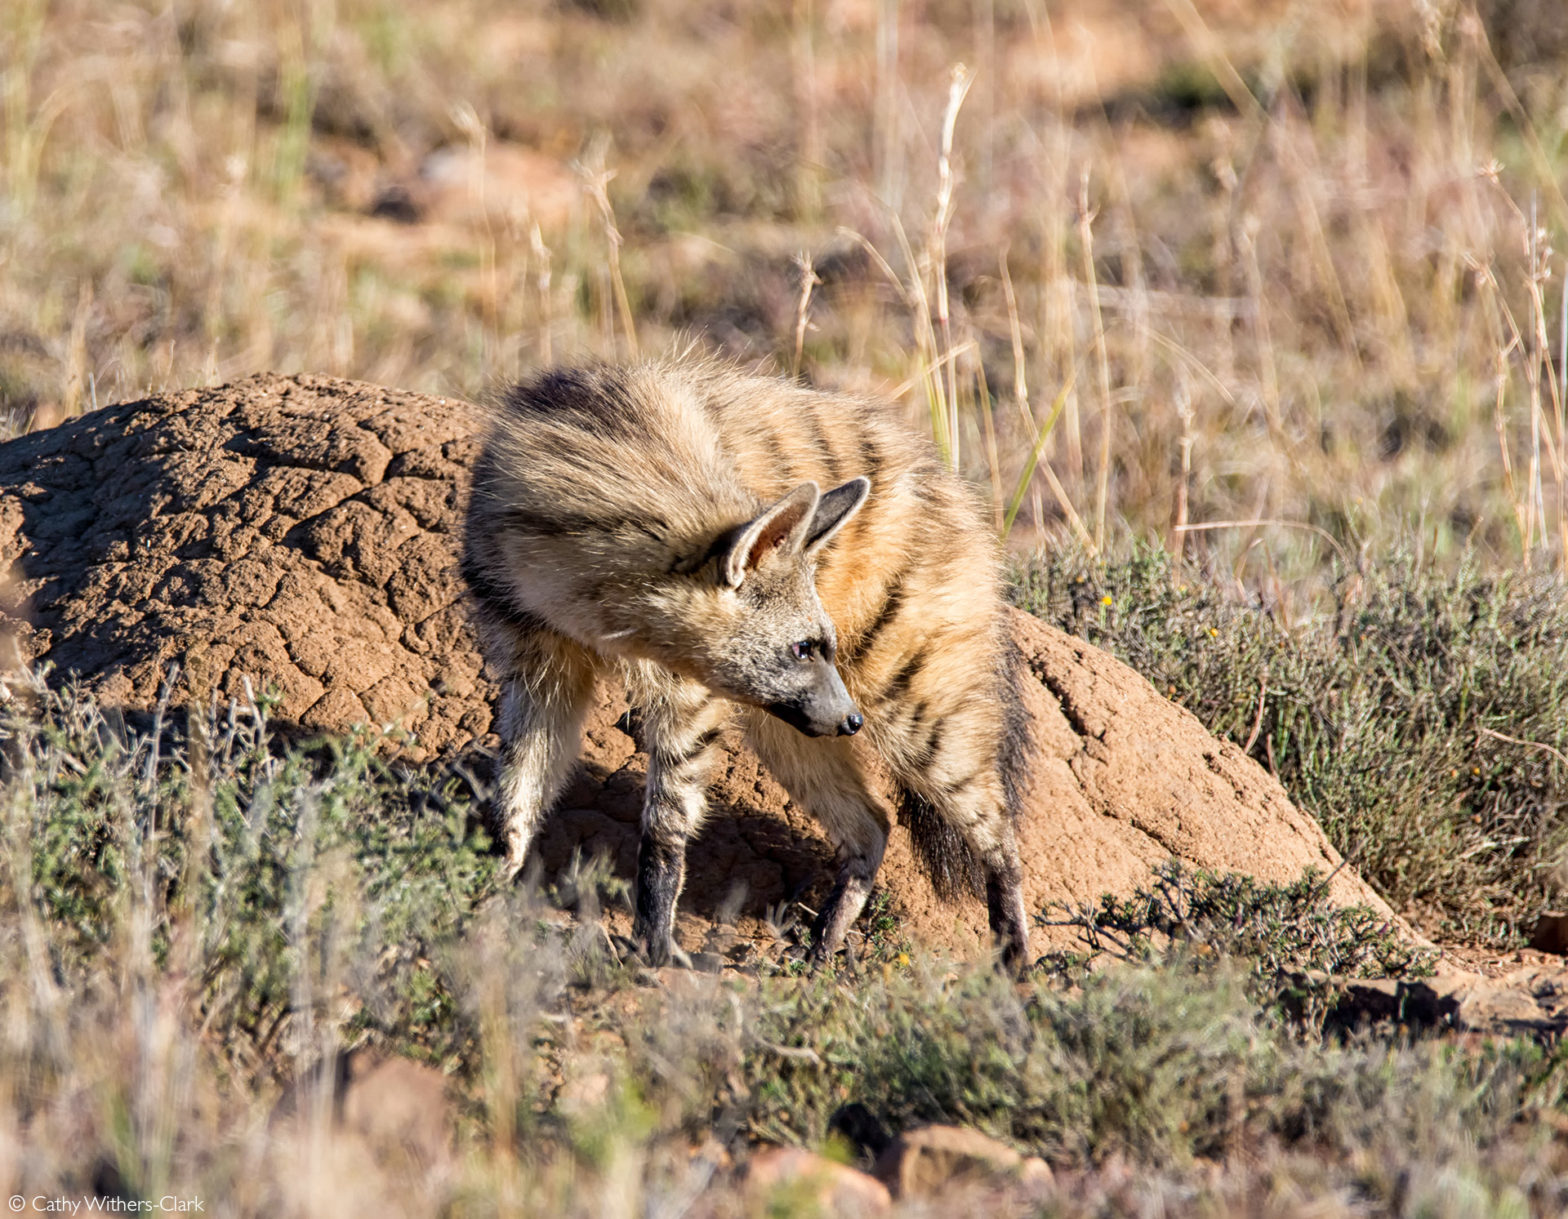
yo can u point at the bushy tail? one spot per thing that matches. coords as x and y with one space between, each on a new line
945 857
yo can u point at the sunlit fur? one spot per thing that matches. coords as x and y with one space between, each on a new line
605 508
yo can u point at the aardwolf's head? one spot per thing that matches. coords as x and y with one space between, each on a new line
763 636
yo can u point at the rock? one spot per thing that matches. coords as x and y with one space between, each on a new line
377 1140
398 1105
1528 1002
1035 1172
298 530
393 1107
1511 1007
585 1089
804 1177
302 532
503 182
922 1162
1415 1004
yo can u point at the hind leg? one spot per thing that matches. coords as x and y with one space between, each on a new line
980 820
1004 905
681 725
955 771
825 776
546 687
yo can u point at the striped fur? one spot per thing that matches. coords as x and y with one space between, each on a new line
686 524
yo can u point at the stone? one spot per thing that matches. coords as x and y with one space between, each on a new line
398 1105
394 1108
920 1163
806 1177
1531 1001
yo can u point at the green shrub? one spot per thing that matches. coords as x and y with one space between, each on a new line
194 918
1159 1063
1279 929
281 872
1424 722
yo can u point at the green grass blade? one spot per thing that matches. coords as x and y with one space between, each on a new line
1044 434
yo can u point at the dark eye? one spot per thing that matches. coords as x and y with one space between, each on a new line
802 650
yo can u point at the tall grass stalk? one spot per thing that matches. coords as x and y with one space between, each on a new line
958 90
1026 476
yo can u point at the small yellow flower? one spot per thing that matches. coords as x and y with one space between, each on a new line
903 960
1107 600
1214 632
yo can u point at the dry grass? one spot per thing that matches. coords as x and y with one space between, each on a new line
1282 264
1277 283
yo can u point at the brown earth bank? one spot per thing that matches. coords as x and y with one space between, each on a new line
301 533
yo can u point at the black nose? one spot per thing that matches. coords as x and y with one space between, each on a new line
851 724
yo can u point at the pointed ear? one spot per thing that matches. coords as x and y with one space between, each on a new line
833 512
779 530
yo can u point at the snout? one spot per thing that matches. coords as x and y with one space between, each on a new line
823 707
817 721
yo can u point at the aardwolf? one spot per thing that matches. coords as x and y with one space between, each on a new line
668 521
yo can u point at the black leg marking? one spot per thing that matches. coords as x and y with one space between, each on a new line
682 726
1004 903
944 854
661 868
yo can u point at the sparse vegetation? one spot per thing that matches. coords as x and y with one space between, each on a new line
1424 722
1298 270
1276 287
1162 1064
160 995
1281 929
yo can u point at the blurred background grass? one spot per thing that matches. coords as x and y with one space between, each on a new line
1287 264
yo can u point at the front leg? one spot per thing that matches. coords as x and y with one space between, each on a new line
827 776
858 862
546 687
681 729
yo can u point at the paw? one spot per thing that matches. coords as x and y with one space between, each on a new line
635 952
1013 958
821 957
658 951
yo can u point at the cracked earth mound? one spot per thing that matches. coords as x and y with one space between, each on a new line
301 532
